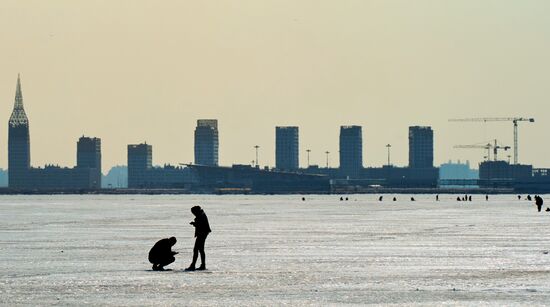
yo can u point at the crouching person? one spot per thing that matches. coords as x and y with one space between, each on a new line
161 254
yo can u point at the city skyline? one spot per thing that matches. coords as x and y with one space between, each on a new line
206 143
376 65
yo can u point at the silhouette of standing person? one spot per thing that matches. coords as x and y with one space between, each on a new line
161 253
539 202
202 229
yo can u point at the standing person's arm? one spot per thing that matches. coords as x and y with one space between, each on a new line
207 224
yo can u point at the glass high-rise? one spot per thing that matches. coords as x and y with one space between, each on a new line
286 148
206 142
19 152
351 151
88 155
421 147
140 160
88 152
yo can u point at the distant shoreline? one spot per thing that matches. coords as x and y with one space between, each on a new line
8 191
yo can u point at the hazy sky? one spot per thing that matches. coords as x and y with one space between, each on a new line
134 71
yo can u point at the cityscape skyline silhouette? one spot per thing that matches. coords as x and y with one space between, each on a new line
147 73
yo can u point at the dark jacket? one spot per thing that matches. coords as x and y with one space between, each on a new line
202 228
161 250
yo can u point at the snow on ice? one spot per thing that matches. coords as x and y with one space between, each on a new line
275 250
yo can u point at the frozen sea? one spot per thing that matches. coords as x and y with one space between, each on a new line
275 250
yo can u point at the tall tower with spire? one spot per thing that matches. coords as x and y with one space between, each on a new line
19 153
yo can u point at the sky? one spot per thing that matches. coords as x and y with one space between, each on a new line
135 71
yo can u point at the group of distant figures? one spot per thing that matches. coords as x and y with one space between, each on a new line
538 200
162 255
469 198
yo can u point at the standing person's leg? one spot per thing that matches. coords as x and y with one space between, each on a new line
195 254
200 241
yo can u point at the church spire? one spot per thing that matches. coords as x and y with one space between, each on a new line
18 94
18 116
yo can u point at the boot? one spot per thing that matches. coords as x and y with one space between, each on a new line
190 268
157 267
201 268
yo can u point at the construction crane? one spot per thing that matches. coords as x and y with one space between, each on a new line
514 120
488 147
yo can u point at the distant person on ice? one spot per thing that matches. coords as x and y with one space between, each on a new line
161 254
202 229
539 202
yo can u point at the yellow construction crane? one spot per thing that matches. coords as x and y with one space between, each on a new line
488 147
514 120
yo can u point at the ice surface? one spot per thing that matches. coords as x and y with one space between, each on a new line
275 250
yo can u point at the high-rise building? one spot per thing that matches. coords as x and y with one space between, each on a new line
19 153
88 152
140 160
87 174
143 175
351 151
286 148
206 142
88 155
421 147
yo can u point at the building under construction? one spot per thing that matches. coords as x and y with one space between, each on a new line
519 177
